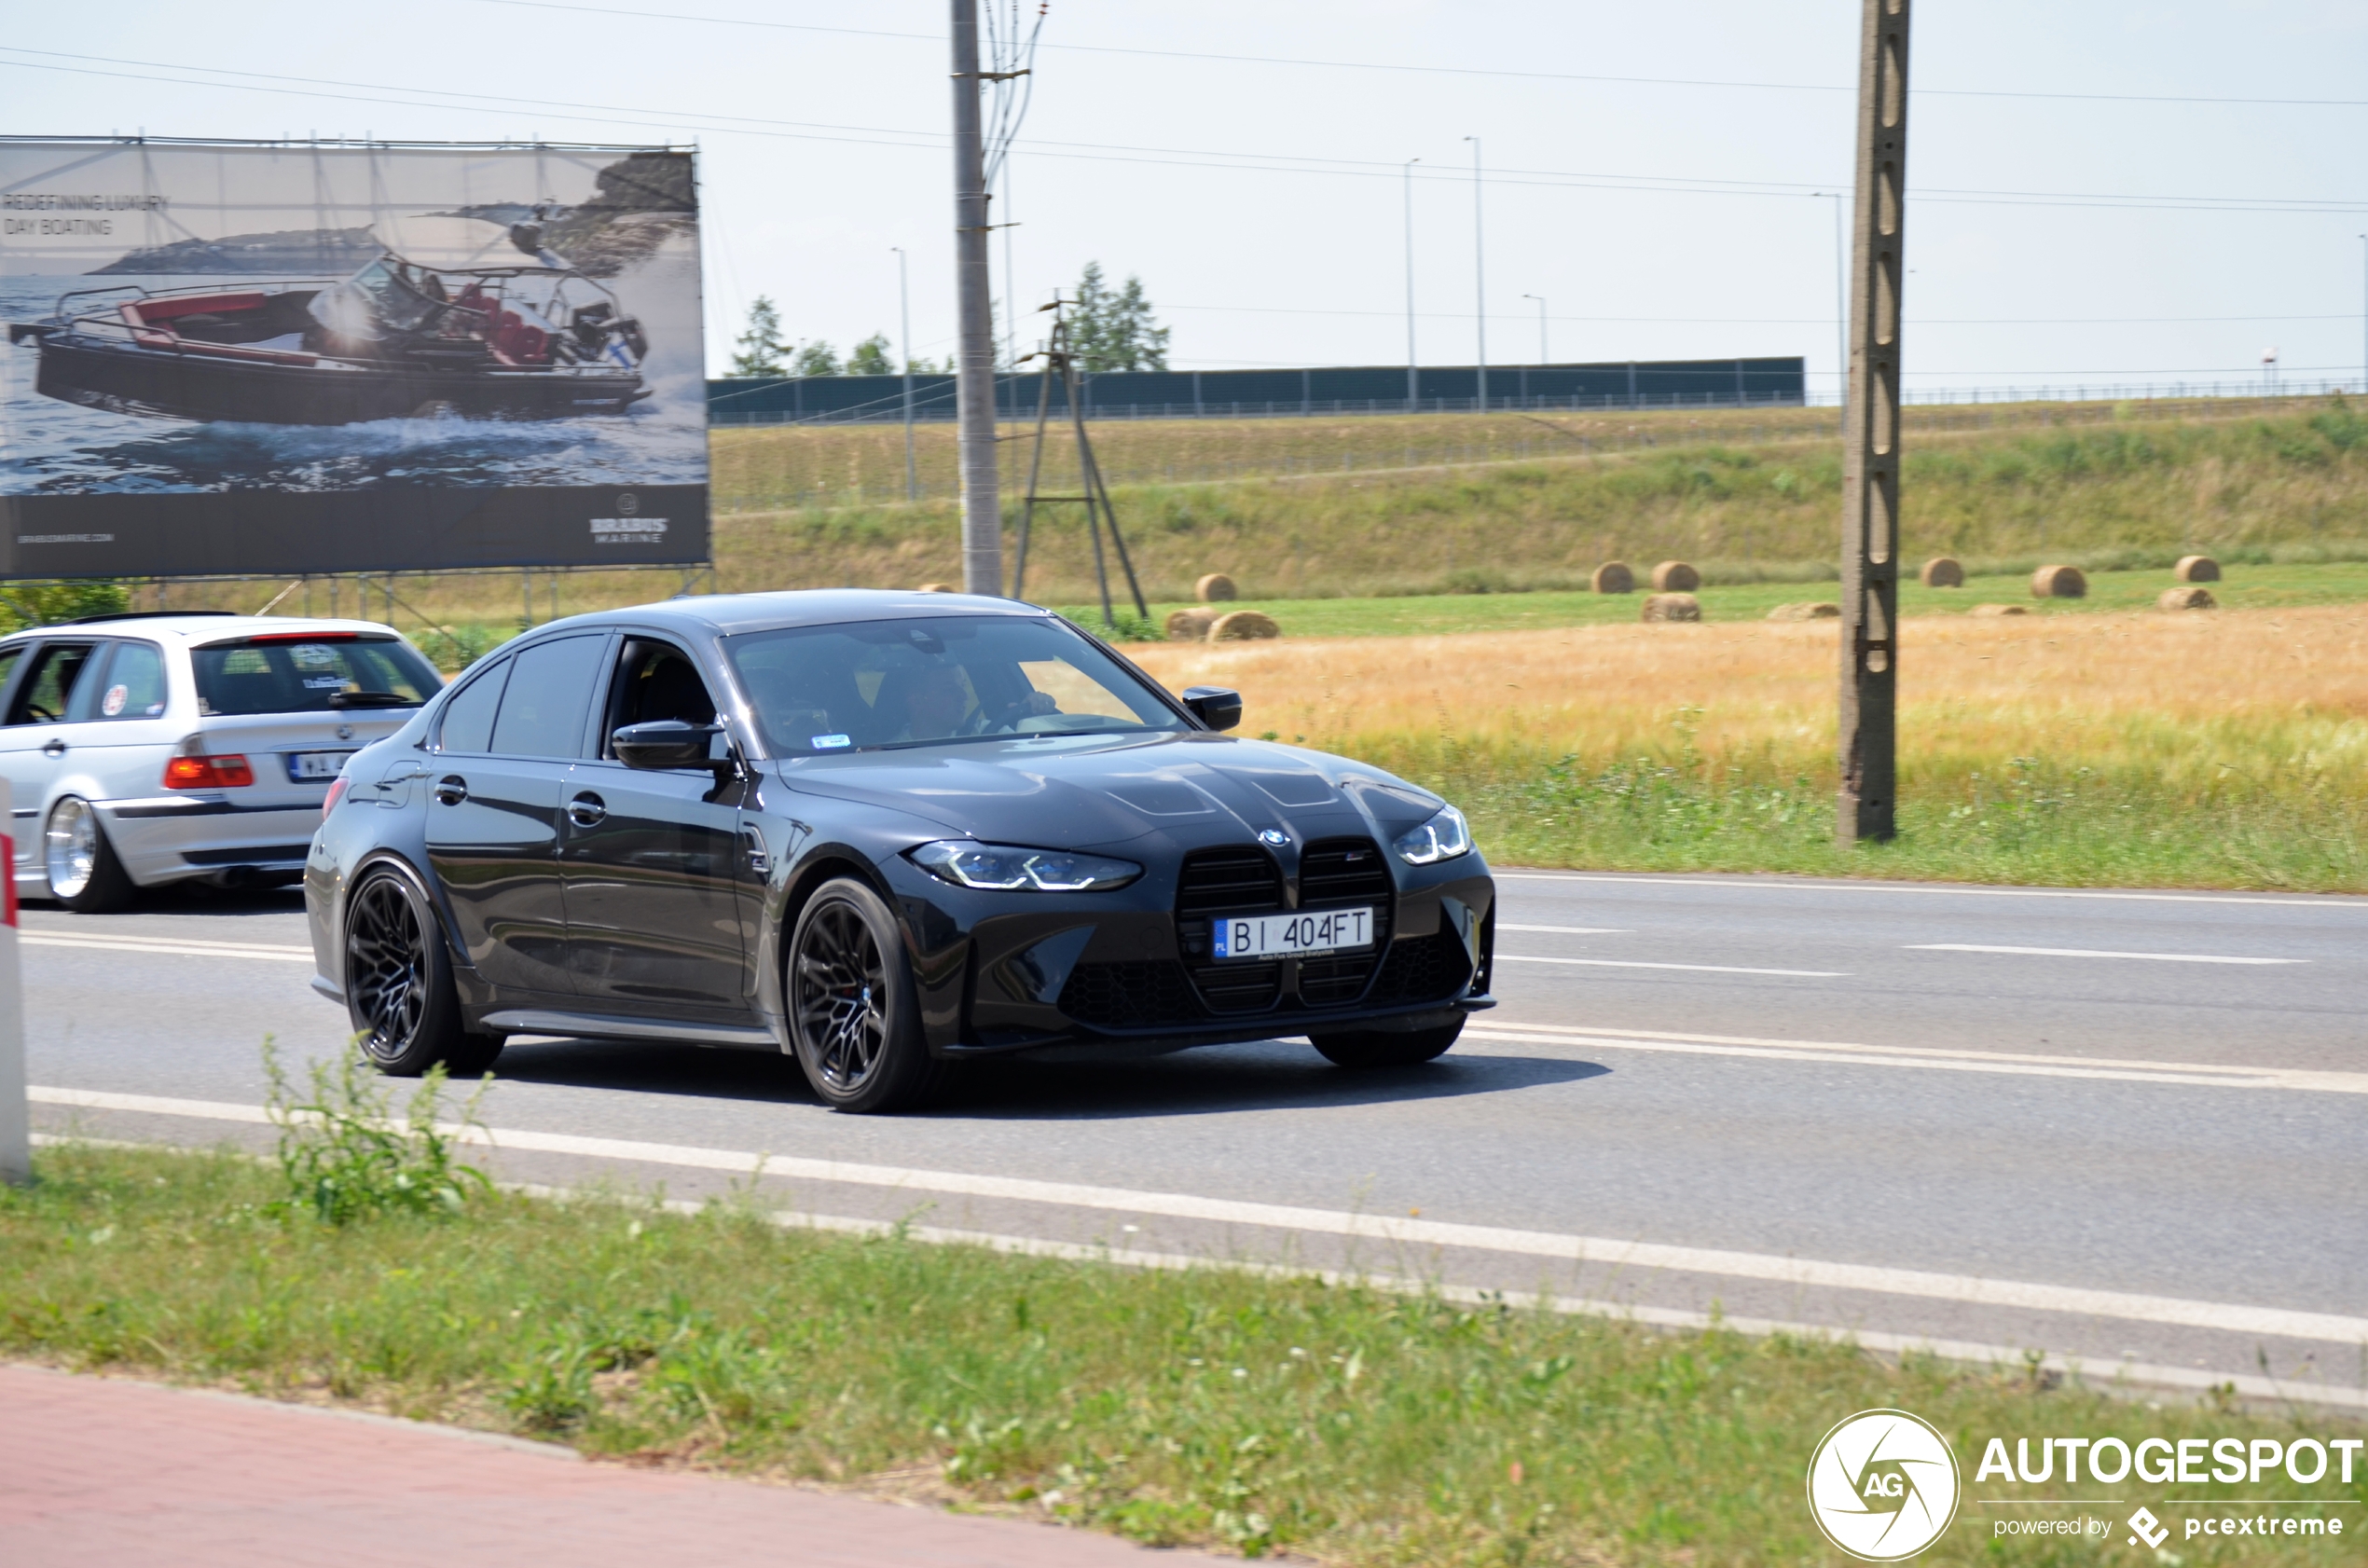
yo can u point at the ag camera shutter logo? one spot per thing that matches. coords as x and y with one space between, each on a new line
1883 1485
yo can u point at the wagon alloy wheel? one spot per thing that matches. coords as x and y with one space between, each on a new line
386 960
84 874
842 989
854 1014
398 984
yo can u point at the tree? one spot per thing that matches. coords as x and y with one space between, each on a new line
761 346
871 357
815 359
1114 329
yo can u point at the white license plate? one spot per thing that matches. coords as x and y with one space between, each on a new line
316 764
1274 936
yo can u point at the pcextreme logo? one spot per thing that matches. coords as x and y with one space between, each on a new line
1883 1485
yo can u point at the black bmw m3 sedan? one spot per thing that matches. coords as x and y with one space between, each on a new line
885 832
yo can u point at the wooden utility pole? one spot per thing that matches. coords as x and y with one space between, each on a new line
1870 436
974 353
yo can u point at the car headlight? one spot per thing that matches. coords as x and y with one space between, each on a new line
1442 838
1005 867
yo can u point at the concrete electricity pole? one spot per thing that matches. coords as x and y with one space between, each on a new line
904 314
974 355
1870 436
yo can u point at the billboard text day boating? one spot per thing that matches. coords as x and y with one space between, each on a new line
246 358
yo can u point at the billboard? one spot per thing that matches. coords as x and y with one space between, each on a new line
281 359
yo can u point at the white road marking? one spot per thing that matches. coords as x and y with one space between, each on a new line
2355 906
1127 1256
2089 953
2119 1069
1640 964
1569 931
1606 1252
186 947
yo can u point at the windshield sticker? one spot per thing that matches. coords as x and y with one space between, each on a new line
830 742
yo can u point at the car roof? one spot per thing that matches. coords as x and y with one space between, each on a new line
200 629
730 614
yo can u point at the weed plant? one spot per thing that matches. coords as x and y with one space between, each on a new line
1355 1425
344 1154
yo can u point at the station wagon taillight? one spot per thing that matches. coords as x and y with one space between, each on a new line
227 771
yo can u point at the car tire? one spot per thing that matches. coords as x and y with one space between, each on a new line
854 1020
83 872
398 984
1376 1048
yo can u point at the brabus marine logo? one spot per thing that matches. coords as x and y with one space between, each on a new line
628 503
1883 1485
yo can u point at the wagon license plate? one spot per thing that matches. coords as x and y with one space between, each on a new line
1276 936
303 765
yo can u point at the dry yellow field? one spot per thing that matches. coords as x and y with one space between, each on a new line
2188 700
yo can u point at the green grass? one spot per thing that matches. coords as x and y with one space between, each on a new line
1205 1407
2267 587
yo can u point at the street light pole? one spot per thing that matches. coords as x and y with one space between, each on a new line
904 313
974 351
1480 283
1541 324
1413 392
2363 314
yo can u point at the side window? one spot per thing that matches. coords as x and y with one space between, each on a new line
550 690
43 696
656 681
468 718
9 659
134 685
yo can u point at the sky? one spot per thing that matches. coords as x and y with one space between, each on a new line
2100 194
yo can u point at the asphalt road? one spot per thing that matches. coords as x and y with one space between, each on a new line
2127 1130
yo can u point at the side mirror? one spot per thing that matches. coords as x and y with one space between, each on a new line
668 743
1217 706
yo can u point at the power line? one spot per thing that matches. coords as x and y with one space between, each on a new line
1463 70
1163 157
1775 320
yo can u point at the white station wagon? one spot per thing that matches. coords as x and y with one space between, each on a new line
152 747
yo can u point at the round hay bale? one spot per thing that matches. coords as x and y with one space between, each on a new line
1190 626
1613 577
1942 572
1827 611
2197 568
2058 582
1676 577
1243 626
935 588
1215 588
1673 607
1998 610
2186 599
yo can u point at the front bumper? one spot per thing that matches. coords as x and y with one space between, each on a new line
1103 969
174 838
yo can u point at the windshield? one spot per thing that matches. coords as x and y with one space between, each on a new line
886 683
276 675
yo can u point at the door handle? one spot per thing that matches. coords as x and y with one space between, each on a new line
54 747
586 810
452 789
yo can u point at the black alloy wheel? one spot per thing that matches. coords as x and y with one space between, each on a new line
853 1015
398 984
1377 1048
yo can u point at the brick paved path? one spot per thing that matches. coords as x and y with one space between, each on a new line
96 1472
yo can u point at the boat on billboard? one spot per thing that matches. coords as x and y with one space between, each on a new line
250 358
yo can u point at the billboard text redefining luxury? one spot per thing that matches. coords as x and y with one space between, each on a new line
231 358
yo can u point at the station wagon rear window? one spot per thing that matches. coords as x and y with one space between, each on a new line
280 674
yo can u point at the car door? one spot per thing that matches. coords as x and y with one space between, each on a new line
653 859
48 716
503 746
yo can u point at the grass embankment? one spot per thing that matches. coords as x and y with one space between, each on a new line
1749 497
1357 1426
2224 748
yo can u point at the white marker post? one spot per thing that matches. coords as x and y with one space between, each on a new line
16 1123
